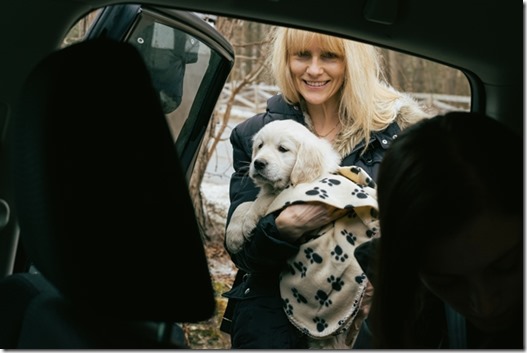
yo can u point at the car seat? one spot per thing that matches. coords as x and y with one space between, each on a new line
103 207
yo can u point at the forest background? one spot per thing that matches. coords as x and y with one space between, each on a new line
209 181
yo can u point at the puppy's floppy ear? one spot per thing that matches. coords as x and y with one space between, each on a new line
256 141
315 157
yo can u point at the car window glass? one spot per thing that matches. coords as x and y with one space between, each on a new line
177 62
183 69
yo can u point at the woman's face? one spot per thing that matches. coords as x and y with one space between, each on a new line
479 271
317 74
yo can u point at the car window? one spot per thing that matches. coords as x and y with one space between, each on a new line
166 51
185 67
184 71
188 60
177 62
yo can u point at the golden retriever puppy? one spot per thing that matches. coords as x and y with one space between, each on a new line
285 153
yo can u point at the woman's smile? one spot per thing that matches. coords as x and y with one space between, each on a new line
316 84
318 73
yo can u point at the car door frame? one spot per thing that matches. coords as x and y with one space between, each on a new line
118 21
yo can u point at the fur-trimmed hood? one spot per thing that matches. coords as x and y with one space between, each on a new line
407 111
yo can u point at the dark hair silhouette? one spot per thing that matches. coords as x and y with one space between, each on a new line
437 176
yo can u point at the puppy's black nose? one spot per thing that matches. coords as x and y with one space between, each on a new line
259 164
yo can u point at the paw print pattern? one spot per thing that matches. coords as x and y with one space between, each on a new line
351 211
323 194
336 282
356 306
299 297
360 193
288 308
349 236
370 233
323 298
330 182
294 202
321 323
301 268
355 170
291 269
354 312
359 279
312 256
339 254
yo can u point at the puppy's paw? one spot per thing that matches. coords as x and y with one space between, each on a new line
248 225
255 212
234 235
234 240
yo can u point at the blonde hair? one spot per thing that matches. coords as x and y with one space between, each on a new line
367 102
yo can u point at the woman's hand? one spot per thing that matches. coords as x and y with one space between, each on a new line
295 220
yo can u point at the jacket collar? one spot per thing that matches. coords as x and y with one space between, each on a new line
384 137
277 105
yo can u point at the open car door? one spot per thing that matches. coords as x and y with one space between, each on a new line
188 59
118 242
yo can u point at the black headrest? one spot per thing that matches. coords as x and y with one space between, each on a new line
102 202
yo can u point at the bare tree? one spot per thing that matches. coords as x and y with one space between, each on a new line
249 66
412 74
250 42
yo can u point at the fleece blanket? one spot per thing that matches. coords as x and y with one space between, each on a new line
323 284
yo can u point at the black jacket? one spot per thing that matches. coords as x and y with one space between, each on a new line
262 258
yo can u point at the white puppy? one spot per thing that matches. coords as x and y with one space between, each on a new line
285 153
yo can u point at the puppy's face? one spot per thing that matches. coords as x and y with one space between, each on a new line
286 153
273 158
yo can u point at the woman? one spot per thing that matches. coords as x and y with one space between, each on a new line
451 216
335 87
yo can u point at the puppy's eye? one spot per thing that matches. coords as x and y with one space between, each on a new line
260 145
282 149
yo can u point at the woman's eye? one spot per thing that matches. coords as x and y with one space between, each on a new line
303 54
329 55
282 149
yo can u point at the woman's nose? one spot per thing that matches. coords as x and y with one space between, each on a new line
314 67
